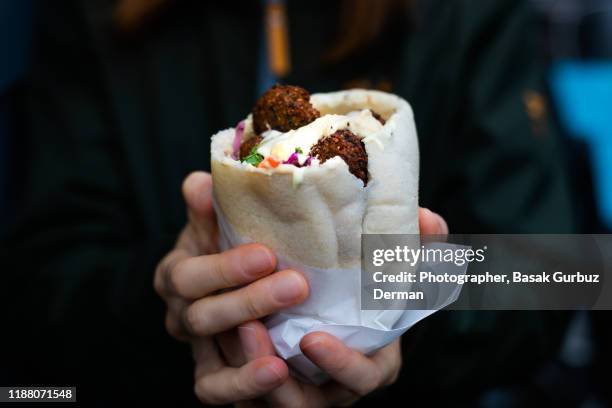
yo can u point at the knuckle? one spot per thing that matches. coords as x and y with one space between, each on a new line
173 327
159 278
395 373
157 283
339 363
369 384
175 276
254 308
194 320
203 393
217 267
240 388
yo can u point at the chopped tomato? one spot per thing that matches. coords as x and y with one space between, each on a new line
269 162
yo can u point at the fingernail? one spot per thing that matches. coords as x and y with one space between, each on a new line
288 288
248 339
315 349
267 376
257 260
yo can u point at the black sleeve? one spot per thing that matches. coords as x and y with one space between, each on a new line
78 264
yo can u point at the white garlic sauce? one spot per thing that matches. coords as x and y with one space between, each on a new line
281 145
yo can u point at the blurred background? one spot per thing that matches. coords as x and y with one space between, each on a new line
577 44
578 48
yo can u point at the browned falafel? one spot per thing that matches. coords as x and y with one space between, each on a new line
287 107
248 145
283 108
349 147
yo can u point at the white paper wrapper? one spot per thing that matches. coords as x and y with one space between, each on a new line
334 307
316 227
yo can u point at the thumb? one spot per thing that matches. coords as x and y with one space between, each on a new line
197 192
431 223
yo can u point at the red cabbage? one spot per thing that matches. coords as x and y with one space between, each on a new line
237 140
293 159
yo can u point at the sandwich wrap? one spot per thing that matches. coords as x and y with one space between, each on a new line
313 217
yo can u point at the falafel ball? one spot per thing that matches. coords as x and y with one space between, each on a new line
248 145
349 147
283 108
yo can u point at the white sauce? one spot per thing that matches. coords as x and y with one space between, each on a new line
281 145
298 176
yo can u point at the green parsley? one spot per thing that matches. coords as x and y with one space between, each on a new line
253 158
299 150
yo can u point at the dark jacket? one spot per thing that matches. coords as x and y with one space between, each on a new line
116 123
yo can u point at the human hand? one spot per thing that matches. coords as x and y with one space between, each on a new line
192 280
352 374
229 369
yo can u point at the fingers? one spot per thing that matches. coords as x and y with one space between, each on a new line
231 348
431 223
198 193
173 322
218 384
348 367
214 314
255 340
250 381
390 358
206 356
256 343
193 278
164 268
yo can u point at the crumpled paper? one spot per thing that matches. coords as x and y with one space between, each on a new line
334 307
